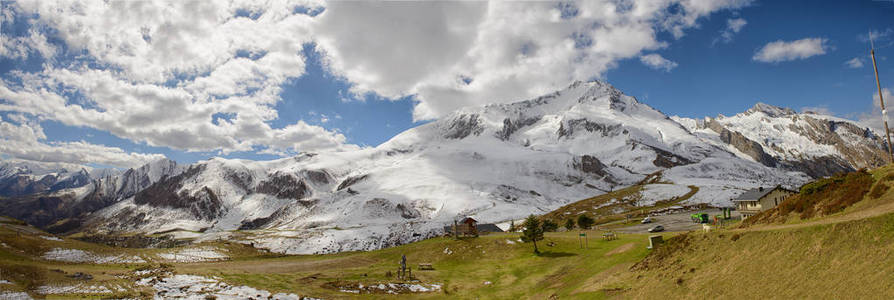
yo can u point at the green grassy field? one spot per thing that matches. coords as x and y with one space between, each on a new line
495 266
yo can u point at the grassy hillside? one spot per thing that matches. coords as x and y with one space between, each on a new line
849 260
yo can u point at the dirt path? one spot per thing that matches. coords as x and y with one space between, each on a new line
621 249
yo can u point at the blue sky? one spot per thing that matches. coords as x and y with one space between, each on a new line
723 79
267 81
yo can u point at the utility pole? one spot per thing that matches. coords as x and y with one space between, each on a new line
881 101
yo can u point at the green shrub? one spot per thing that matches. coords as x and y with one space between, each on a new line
584 221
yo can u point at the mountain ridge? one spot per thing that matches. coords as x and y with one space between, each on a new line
496 162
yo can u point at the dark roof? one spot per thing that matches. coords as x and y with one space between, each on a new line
479 227
755 194
488 228
467 219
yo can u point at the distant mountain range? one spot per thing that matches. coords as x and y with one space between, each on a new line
497 163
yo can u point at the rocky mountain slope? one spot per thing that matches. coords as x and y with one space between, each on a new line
496 163
815 144
62 209
18 177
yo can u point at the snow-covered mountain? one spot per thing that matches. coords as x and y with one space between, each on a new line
80 194
20 177
496 163
818 145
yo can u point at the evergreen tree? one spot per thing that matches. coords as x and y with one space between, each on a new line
533 232
550 226
569 224
585 222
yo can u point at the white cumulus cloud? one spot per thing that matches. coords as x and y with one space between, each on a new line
449 55
207 75
26 140
854 63
188 75
733 26
780 50
657 62
874 118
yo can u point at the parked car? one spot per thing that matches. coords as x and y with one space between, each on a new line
658 228
647 220
699 218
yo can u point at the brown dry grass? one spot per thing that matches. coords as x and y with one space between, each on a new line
823 197
849 260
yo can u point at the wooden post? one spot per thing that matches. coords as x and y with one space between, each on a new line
880 100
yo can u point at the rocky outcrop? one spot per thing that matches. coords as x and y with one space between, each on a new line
510 127
203 204
463 126
284 186
569 127
350 181
590 165
819 167
749 147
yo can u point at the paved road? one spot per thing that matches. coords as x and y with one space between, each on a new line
673 222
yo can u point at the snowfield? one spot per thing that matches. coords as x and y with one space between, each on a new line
495 163
7 295
81 256
656 192
194 255
75 289
198 287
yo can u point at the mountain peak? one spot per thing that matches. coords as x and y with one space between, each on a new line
771 110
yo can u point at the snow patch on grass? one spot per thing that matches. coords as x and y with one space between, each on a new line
656 192
73 289
14 295
194 287
194 255
81 256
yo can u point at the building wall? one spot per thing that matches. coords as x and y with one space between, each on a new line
748 205
774 198
767 202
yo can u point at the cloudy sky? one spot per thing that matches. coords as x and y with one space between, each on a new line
120 83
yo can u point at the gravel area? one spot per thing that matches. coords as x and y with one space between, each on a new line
673 222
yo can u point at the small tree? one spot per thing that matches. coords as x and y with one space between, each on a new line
569 224
550 226
512 226
584 221
533 232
